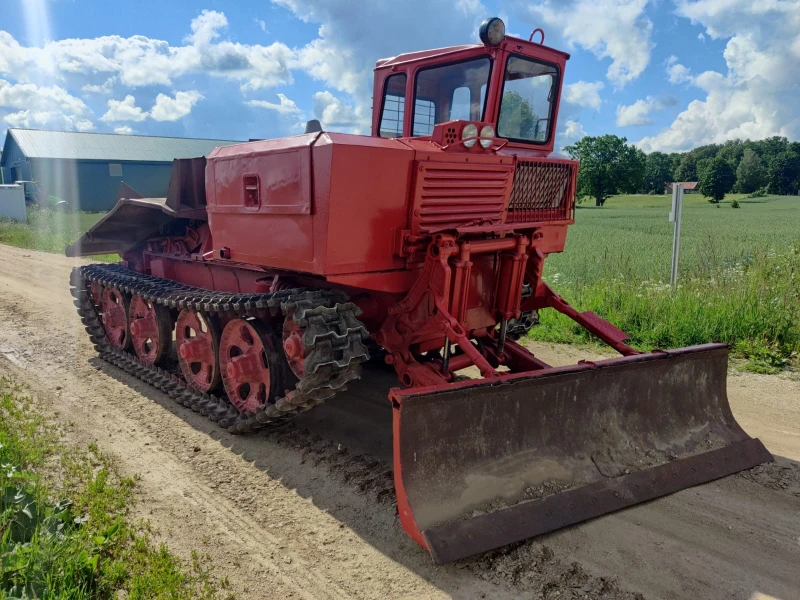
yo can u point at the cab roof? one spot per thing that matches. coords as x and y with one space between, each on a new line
510 44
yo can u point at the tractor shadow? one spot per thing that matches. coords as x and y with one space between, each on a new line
339 456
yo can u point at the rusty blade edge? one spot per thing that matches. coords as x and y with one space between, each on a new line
430 393
461 539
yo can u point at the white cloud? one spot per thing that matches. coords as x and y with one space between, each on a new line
336 115
676 72
123 129
285 107
172 109
637 113
165 108
348 44
30 96
206 27
124 110
584 93
701 37
757 96
141 61
47 119
261 23
105 88
572 132
615 29
33 106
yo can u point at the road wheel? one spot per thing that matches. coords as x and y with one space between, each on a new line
150 327
197 339
249 362
114 315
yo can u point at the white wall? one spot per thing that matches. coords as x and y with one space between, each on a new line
12 202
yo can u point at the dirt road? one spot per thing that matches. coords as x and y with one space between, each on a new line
307 511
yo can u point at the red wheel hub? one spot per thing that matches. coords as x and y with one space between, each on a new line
293 346
114 315
150 330
197 338
244 364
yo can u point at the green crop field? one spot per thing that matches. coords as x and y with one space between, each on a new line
739 274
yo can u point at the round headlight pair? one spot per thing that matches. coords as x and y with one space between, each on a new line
470 133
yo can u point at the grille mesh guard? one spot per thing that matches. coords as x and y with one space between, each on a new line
542 191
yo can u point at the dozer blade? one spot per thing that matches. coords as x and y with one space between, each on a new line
479 465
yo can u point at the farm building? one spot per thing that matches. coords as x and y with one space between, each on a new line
689 187
86 169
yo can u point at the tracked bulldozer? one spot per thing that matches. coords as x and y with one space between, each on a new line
274 269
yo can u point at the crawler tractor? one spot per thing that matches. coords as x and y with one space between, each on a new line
274 269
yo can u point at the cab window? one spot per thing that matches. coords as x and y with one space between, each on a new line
393 107
526 106
450 92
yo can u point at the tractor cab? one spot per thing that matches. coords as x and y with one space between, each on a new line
506 89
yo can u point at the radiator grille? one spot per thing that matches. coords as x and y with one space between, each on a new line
542 191
448 196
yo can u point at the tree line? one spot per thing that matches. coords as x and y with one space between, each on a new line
609 165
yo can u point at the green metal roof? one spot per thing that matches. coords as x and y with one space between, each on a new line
73 145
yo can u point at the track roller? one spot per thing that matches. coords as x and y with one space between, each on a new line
197 339
250 364
114 315
150 329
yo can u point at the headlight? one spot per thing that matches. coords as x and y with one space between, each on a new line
492 31
469 131
487 131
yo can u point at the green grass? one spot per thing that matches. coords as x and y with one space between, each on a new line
739 275
65 529
48 230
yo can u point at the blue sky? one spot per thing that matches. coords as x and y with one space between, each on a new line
667 74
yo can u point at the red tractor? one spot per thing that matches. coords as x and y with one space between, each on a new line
275 268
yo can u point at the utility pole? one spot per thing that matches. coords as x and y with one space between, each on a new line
675 217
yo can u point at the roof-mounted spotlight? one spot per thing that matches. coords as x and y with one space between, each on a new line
492 31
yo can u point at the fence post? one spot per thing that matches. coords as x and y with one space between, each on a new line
675 217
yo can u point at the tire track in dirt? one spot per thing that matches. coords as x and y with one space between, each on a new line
293 514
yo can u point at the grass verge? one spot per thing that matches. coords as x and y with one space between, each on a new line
65 529
753 305
49 230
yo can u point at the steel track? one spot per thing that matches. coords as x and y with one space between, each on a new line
333 340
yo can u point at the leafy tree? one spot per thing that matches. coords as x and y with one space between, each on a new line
657 172
732 151
675 161
716 178
783 173
689 168
750 174
769 148
517 118
608 166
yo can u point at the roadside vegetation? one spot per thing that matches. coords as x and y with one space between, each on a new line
48 230
739 275
65 525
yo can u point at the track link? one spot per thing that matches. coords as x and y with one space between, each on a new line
333 340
